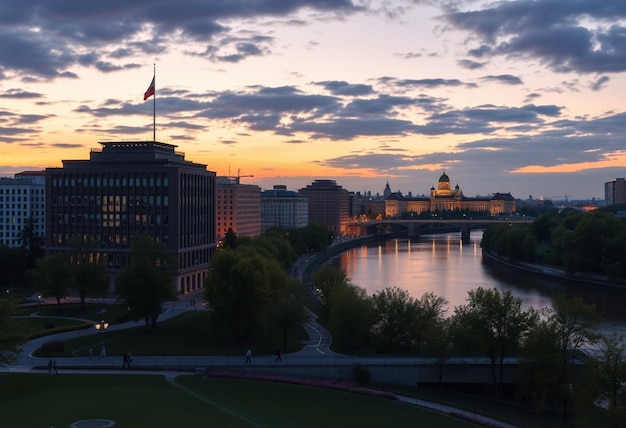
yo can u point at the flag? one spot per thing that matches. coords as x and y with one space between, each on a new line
150 91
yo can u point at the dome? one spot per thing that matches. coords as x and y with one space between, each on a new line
444 178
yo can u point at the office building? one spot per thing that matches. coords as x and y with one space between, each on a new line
130 188
22 198
283 209
329 204
615 192
238 207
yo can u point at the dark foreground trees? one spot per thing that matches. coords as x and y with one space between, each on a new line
249 292
11 335
146 283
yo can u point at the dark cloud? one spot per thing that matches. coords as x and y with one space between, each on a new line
345 88
20 94
565 35
504 78
118 29
598 84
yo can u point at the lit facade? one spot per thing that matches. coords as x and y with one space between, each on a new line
283 209
238 207
329 204
445 198
129 188
22 198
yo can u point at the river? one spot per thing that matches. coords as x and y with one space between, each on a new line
449 268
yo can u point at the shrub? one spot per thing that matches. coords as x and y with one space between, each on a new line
53 346
361 374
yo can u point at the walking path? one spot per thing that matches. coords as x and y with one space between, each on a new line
315 351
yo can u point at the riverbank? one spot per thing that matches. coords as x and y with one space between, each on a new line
552 273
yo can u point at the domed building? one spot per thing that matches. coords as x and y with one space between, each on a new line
443 198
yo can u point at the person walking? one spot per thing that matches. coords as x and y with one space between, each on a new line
55 368
90 352
279 356
103 352
249 356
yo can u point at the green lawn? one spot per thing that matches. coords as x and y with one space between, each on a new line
38 400
187 334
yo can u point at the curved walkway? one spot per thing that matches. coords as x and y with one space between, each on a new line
316 350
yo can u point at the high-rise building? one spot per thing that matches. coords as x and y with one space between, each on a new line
130 188
329 204
22 198
615 192
283 209
238 207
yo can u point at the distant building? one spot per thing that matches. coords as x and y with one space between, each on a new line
238 207
615 192
129 188
283 209
444 198
22 198
329 204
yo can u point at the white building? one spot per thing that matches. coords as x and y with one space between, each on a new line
21 198
283 209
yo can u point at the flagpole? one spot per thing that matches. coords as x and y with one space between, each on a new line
154 107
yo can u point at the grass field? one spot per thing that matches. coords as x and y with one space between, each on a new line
39 400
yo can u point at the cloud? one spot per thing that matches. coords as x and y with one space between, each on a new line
46 39
565 36
598 84
20 94
504 78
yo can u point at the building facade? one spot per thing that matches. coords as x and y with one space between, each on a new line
22 198
283 209
130 188
329 204
445 198
615 192
238 207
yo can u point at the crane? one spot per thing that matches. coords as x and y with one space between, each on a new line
238 177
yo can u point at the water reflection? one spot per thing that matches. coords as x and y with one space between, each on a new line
443 265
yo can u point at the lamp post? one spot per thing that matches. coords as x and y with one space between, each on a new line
39 299
101 327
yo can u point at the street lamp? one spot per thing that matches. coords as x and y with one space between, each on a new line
39 299
101 327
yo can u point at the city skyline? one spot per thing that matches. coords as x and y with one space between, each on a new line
515 96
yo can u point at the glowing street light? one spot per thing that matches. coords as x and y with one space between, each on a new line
101 327
39 299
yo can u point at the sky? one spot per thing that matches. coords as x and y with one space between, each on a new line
517 96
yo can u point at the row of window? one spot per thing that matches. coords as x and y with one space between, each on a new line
112 180
20 191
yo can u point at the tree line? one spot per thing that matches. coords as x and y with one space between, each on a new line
587 242
550 343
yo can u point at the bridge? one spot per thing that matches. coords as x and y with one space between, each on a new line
414 227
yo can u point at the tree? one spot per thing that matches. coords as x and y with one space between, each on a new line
53 276
350 317
241 288
552 349
31 243
395 312
604 397
289 312
230 239
11 335
437 343
146 282
496 322
12 265
90 273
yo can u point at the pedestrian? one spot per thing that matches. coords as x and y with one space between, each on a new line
90 352
128 358
279 356
55 369
103 352
50 367
249 356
